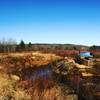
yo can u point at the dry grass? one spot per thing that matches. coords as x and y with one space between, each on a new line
13 88
40 90
9 89
27 59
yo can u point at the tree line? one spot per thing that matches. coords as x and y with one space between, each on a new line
94 47
11 45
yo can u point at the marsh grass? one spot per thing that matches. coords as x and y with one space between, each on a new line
41 89
9 89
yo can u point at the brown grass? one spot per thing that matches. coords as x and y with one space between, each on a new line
9 89
14 88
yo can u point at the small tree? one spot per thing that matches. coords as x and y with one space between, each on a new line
22 45
30 46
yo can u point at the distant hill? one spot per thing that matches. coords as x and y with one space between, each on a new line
60 46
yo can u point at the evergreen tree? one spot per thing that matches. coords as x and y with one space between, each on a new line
22 45
30 46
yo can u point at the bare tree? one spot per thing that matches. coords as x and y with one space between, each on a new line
8 45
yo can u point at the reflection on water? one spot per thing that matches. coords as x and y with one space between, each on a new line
42 79
33 75
44 85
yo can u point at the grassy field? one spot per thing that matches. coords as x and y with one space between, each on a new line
45 76
14 87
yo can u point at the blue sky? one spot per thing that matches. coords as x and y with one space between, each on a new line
51 21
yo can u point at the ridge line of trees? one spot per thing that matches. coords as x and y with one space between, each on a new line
11 45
